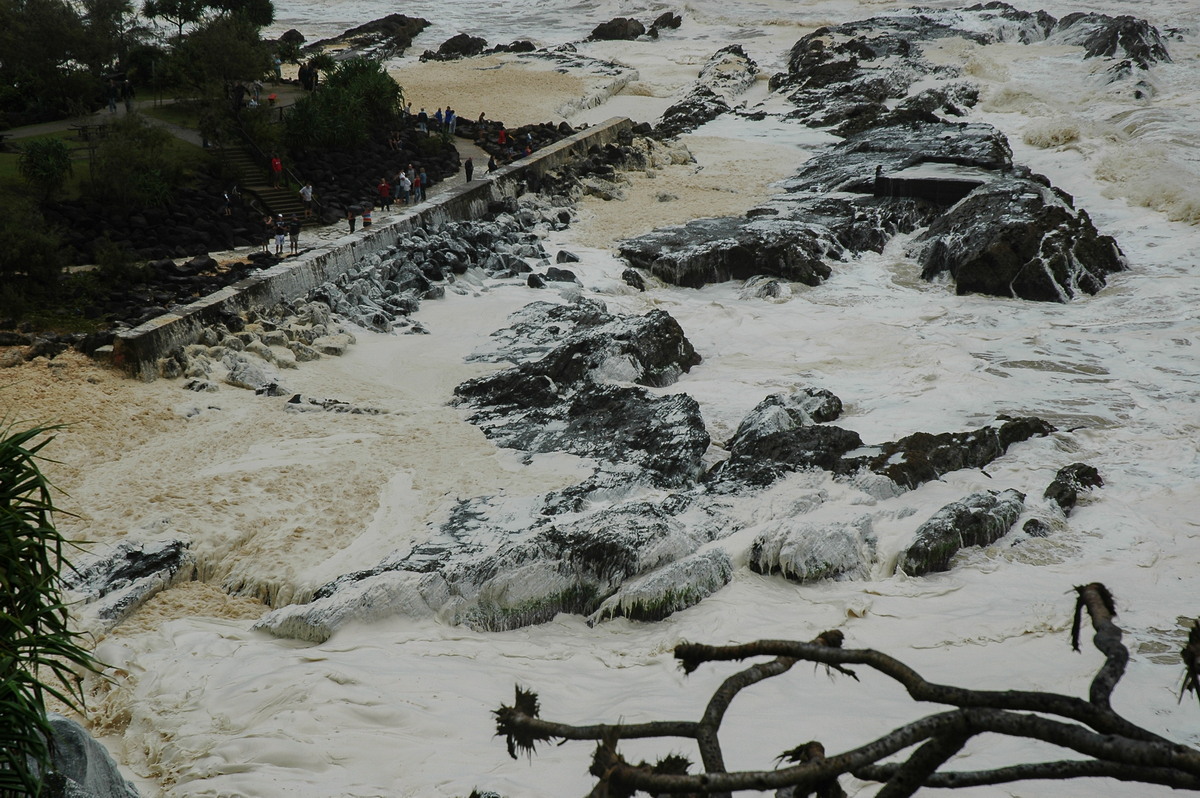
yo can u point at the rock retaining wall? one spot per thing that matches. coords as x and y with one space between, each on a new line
138 350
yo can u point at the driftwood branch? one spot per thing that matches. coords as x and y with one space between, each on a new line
1111 746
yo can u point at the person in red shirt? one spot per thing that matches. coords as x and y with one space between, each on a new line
276 170
385 194
502 137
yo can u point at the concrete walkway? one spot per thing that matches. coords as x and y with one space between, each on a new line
286 95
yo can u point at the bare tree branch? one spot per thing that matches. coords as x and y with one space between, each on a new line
1099 603
1114 747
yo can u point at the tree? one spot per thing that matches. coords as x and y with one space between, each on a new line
175 12
1113 746
218 52
45 164
38 650
359 100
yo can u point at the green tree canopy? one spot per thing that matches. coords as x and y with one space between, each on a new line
359 100
221 50
175 12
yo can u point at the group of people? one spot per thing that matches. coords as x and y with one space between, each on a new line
278 228
119 90
439 121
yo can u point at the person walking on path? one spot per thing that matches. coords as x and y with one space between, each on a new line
351 217
294 233
424 185
491 164
416 189
127 95
385 194
469 167
306 194
111 91
276 170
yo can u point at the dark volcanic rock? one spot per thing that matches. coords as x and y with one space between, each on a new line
114 584
459 46
556 404
808 552
728 73
1113 37
1069 481
1017 236
783 411
618 28
715 250
762 460
387 37
923 457
661 436
977 520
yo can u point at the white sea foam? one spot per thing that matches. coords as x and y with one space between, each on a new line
275 504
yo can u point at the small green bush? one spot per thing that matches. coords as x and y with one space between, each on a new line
45 164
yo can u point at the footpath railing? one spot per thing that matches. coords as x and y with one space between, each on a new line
140 349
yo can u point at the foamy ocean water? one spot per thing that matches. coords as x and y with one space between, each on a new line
203 706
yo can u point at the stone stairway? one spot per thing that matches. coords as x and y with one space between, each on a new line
253 179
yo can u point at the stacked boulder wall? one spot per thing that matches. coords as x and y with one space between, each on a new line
808 552
977 520
1018 236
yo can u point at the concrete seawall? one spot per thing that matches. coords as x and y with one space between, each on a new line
138 350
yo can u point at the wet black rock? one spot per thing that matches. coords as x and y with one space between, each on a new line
633 279
1069 482
977 520
111 585
387 37
760 460
664 21
1124 37
461 45
618 28
715 250
556 275
1017 236
80 766
728 73
564 256
923 457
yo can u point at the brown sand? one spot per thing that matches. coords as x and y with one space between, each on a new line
506 88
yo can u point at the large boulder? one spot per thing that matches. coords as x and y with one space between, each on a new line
706 251
977 520
617 29
81 767
808 552
1016 236
1102 36
1069 482
669 589
111 584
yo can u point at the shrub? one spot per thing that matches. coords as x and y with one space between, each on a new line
45 164
133 167
31 257
359 99
38 650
